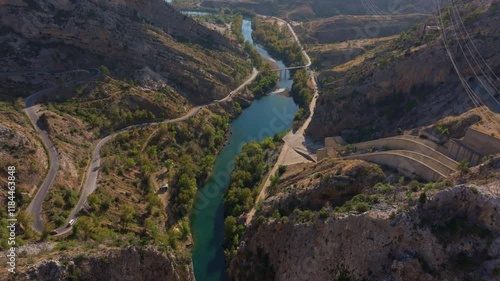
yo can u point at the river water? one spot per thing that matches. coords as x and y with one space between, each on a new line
265 117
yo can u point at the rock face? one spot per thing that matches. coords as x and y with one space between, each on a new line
329 181
303 10
135 39
127 264
453 236
342 28
409 82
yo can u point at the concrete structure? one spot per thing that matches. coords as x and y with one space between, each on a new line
410 143
408 163
415 156
432 29
472 147
326 152
459 152
410 155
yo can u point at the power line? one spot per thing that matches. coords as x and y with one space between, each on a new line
472 95
473 44
469 63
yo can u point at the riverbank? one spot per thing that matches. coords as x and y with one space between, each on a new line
265 117
294 142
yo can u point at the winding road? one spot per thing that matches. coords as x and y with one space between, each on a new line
32 111
295 143
92 173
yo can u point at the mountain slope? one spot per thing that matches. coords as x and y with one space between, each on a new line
301 10
129 37
390 231
407 82
155 64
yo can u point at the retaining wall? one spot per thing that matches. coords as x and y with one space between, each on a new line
406 163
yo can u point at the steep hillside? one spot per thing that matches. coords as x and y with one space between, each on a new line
394 230
343 28
114 264
327 56
132 38
410 81
142 61
300 10
155 64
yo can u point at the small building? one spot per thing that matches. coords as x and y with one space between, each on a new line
432 29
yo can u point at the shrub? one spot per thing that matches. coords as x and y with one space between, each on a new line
401 180
361 207
281 170
423 198
323 213
413 186
359 203
383 187
463 166
104 70
276 214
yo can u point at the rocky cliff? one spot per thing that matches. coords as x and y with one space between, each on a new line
302 10
343 28
447 234
133 38
410 81
125 264
328 182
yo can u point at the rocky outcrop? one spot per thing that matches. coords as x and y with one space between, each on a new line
343 28
126 264
330 181
455 235
130 37
407 83
302 10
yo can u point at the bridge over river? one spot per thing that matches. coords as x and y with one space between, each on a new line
283 71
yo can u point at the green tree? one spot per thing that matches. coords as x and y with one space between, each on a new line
94 202
104 70
127 215
463 166
84 228
187 189
47 229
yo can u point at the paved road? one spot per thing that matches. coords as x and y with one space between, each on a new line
296 38
92 173
267 182
295 143
31 109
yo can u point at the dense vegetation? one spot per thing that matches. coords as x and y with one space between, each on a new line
264 82
236 26
129 207
24 233
251 166
255 57
301 93
186 150
111 104
278 41
280 44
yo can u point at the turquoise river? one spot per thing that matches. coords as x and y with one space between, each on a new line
264 118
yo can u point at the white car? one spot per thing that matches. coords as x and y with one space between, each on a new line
71 222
